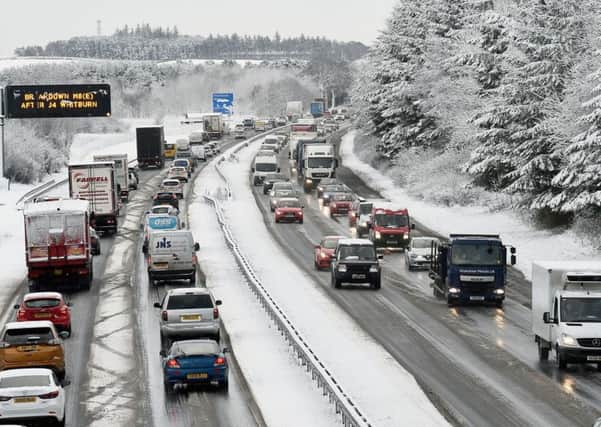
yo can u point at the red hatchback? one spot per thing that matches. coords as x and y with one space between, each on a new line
341 203
325 250
45 306
289 210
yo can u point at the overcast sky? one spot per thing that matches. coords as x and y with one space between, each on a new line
35 22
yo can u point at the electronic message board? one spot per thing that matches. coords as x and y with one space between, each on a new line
42 101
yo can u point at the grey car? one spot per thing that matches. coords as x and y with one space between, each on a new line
188 313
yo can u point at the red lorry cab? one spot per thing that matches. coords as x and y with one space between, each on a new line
390 228
57 244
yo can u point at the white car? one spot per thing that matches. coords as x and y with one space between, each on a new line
163 209
418 253
240 131
179 171
174 186
31 394
198 137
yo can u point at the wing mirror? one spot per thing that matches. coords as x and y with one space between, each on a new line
63 334
163 353
157 305
196 247
252 169
16 307
218 302
225 350
279 169
547 318
65 383
380 256
69 304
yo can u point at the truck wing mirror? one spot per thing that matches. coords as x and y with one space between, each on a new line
513 260
279 169
196 247
547 317
512 250
380 256
252 169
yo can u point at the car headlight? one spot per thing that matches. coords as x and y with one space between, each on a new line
568 340
406 236
499 291
413 256
373 269
342 268
308 181
323 255
378 235
364 224
454 290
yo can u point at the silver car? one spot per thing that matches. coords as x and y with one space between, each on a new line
418 253
188 313
281 193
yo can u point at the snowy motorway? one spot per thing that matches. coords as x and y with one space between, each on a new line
478 364
399 353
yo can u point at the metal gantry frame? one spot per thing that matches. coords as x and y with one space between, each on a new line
2 119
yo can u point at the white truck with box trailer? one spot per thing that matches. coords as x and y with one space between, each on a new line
95 182
121 172
566 311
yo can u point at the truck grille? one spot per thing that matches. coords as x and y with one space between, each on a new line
320 175
476 288
589 342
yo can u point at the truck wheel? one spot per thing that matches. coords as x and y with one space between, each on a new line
543 352
377 284
193 279
150 279
560 359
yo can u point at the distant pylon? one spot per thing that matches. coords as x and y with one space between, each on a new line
99 27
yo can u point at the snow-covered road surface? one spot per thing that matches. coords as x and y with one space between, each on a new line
388 395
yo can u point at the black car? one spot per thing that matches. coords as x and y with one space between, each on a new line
356 261
165 198
270 179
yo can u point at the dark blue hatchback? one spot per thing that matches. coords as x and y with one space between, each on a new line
195 362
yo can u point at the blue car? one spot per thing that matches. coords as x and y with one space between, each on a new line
195 362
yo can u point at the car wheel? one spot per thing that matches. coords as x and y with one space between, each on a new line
98 249
450 302
560 359
316 266
277 220
61 375
62 422
499 304
169 388
69 330
300 221
377 284
543 352
224 385
164 342
150 279
193 279
217 337
337 283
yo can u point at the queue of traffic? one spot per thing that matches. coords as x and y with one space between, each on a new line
464 268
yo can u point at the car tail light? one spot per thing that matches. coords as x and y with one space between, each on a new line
219 361
5 398
172 363
215 313
51 395
164 315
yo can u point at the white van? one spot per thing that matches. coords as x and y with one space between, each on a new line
262 166
171 256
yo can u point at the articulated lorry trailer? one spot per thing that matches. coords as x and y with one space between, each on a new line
95 182
470 268
150 144
121 173
58 245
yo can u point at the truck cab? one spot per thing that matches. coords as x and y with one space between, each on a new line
390 228
566 311
470 268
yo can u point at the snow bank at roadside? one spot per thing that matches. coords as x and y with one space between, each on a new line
531 244
283 392
387 394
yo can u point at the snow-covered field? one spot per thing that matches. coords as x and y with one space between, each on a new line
396 399
531 244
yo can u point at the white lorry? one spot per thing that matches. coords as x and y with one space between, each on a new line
566 311
262 166
121 173
95 182
318 162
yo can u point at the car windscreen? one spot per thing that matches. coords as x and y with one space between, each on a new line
289 204
391 220
162 210
581 310
182 163
25 381
329 243
42 303
171 184
20 336
421 243
365 208
320 162
342 197
333 188
357 252
476 254
283 193
185 302
266 167
195 348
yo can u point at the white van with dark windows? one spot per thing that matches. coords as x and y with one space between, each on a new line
171 256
